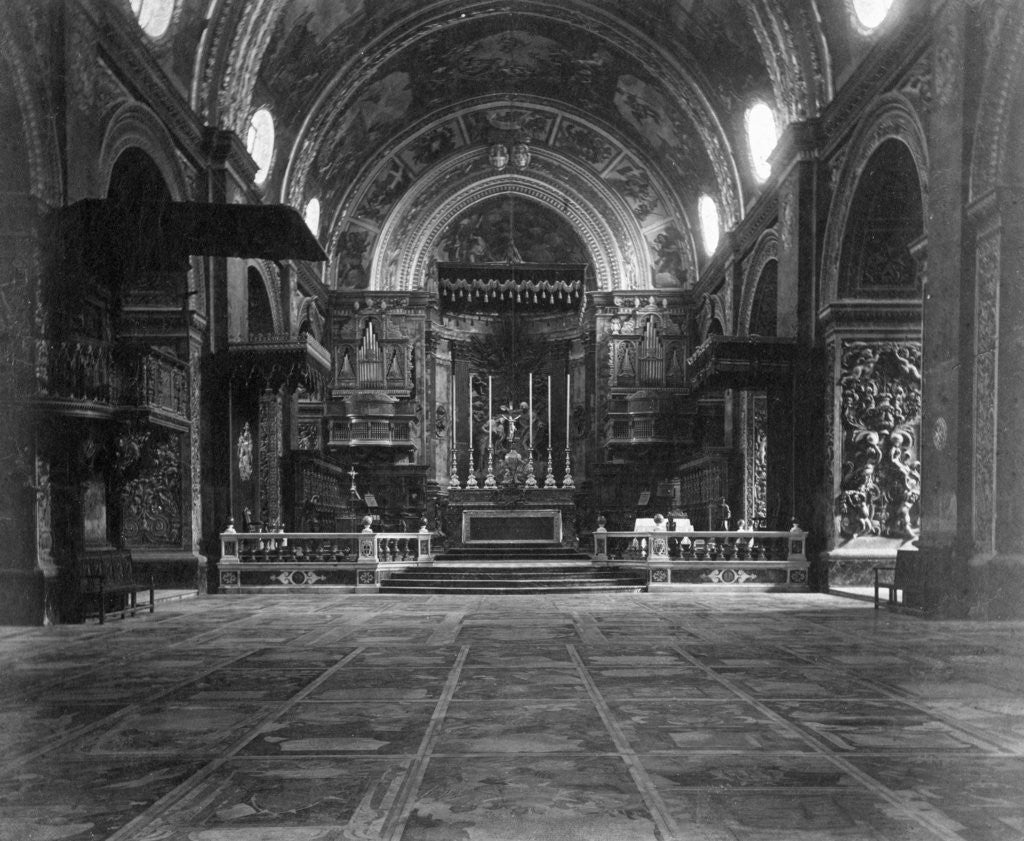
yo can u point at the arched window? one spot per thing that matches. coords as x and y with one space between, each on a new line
870 14
259 142
762 135
154 16
707 210
312 216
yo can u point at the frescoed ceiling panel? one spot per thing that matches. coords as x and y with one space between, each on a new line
371 96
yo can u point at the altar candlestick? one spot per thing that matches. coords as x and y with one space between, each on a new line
549 407
531 411
567 389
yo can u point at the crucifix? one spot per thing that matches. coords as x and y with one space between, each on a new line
352 472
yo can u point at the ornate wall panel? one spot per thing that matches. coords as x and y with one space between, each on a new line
987 270
880 410
151 501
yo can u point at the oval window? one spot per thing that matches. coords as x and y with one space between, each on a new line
154 16
871 14
762 135
707 210
312 216
259 142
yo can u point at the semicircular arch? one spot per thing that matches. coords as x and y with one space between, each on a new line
891 118
135 126
765 251
611 237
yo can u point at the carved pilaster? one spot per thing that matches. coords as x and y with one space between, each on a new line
986 304
269 457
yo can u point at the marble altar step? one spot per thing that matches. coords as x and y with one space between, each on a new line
492 580
513 552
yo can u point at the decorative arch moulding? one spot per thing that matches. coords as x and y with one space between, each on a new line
350 81
892 117
613 240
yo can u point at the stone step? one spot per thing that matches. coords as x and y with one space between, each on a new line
541 574
442 589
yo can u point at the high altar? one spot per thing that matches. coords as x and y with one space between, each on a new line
510 495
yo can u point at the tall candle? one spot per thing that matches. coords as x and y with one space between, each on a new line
531 413
455 415
567 390
490 403
549 411
471 419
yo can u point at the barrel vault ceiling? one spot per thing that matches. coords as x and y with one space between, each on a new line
384 110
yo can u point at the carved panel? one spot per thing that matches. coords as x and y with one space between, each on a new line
151 500
880 384
270 457
757 460
985 357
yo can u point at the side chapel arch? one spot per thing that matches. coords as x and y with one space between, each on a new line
892 118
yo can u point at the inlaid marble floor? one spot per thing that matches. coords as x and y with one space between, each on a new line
437 718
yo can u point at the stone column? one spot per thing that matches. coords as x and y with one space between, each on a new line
934 579
996 565
799 234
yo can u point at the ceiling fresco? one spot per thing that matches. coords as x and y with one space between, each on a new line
481 234
371 96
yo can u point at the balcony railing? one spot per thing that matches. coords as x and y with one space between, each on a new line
700 546
384 432
365 548
104 376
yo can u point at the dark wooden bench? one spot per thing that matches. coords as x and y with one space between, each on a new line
105 575
890 585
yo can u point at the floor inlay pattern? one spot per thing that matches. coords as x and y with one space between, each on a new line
760 716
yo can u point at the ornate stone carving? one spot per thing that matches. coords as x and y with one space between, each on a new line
151 501
985 357
270 457
244 448
881 406
948 64
757 460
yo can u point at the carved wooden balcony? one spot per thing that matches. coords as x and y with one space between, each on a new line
280 360
741 362
98 380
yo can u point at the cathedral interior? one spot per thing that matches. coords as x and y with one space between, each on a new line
707 310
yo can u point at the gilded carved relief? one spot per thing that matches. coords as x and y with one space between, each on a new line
881 407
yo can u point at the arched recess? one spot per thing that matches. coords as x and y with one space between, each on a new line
263 277
260 317
765 254
1002 83
886 217
892 118
135 126
614 241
